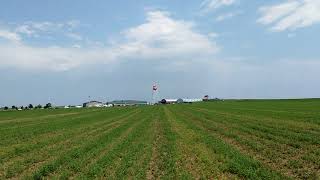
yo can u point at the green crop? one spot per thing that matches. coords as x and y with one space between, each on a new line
233 139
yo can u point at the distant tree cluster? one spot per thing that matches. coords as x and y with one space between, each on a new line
48 106
30 106
38 106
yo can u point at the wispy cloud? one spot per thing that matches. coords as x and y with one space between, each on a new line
290 15
25 29
8 35
228 15
31 28
210 5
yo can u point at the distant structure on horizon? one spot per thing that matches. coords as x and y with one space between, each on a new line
128 103
93 104
180 100
155 94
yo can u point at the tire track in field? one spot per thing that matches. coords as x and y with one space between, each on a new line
55 147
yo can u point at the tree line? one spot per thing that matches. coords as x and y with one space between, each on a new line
30 106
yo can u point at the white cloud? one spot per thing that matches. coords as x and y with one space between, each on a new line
229 15
50 58
160 38
11 36
163 36
209 5
290 15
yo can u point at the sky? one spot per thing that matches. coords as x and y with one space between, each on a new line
65 51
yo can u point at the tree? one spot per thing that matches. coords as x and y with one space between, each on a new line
163 101
13 107
21 107
30 106
39 106
47 106
6 108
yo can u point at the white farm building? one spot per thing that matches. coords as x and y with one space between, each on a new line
191 100
173 101
93 104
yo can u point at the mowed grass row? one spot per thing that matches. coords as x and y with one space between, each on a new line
215 140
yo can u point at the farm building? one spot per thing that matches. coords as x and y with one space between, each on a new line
108 105
169 101
206 98
93 104
128 103
173 101
191 100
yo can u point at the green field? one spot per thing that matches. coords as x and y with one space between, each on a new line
248 139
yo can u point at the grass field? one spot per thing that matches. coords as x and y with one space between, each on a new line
256 139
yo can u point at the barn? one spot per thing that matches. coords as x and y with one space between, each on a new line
93 104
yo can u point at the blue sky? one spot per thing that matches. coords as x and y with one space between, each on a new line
64 51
